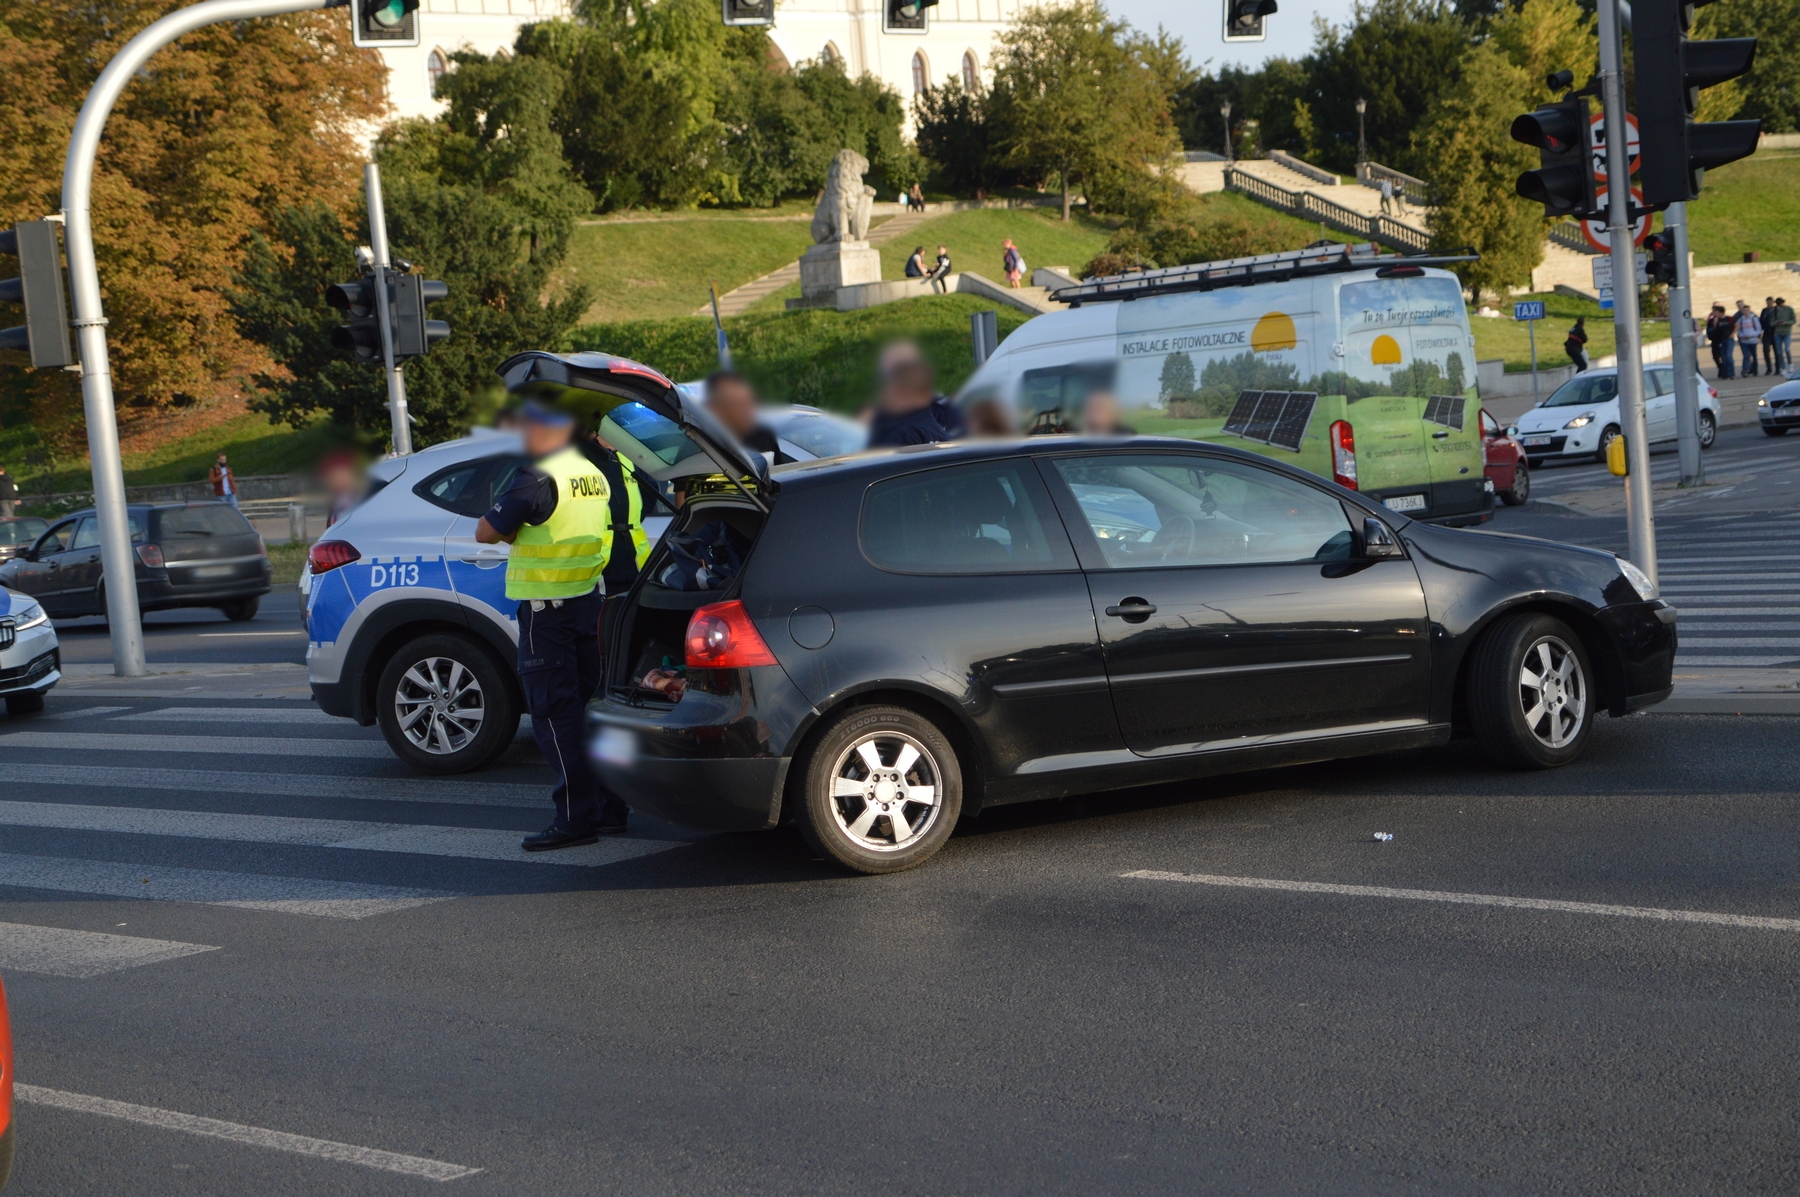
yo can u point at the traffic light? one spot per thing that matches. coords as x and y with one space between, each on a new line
1661 247
384 24
362 335
1564 179
39 288
413 333
1244 19
907 15
1676 149
749 12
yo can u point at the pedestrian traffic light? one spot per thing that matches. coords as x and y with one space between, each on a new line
39 288
384 24
1564 180
1661 247
749 12
413 333
907 15
362 335
1244 19
1676 149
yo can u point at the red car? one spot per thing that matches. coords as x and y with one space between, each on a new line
1506 466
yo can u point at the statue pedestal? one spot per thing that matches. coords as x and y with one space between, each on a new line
833 264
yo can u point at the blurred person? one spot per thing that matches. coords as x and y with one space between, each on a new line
1012 262
940 271
907 412
916 195
9 494
1718 339
1784 331
224 483
990 416
1100 416
1576 344
1767 318
732 402
342 480
1749 336
915 265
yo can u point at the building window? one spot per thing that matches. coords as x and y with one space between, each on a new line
831 56
435 69
921 75
971 72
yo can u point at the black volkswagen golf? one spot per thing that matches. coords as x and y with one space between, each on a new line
876 645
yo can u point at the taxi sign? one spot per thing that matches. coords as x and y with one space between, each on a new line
1529 309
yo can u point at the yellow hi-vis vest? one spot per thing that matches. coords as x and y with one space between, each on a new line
634 520
564 556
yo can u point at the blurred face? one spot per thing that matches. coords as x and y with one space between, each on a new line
542 439
1100 413
907 382
732 405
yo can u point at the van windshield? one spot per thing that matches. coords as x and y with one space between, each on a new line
1585 389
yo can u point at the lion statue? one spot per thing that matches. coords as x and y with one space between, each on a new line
846 205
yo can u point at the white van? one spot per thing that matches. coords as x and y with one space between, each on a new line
1348 363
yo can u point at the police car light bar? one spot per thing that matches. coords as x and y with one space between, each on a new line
1321 257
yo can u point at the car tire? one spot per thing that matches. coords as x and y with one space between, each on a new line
1709 429
240 610
1607 437
439 680
864 802
1520 721
28 703
1767 431
1520 491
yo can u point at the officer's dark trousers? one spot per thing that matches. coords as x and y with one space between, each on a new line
559 669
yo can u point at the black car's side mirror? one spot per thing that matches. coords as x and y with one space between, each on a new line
28 553
1378 540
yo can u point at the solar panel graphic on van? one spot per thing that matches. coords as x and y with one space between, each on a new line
1446 410
1277 418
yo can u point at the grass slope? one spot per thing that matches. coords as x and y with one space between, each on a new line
253 445
645 269
1748 205
820 357
1510 340
974 239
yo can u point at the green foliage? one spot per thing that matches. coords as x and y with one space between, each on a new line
1223 377
953 131
1177 380
1772 88
1204 228
784 128
1272 99
1748 205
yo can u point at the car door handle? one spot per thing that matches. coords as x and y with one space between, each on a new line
1133 610
1438 436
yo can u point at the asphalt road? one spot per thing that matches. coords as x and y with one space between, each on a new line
201 634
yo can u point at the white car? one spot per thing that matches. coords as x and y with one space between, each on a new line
30 661
1581 417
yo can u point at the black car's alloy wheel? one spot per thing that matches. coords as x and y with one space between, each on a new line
444 705
882 790
1530 692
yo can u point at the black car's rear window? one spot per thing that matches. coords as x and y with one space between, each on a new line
992 518
204 520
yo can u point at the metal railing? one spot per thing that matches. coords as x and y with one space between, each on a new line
1316 174
1416 191
1567 234
1309 205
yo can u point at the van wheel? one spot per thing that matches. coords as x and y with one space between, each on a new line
240 610
1530 692
445 706
883 790
1607 437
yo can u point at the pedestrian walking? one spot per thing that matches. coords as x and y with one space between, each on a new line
1767 318
908 411
915 265
1575 345
1784 331
9 494
940 271
1718 338
1749 335
1387 197
1012 262
224 482
557 515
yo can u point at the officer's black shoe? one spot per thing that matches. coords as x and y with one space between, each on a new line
557 837
618 828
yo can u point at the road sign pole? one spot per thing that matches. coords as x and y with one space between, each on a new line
1686 354
116 556
1531 331
1640 520
378 244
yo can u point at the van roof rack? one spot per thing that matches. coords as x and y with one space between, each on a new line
1321 257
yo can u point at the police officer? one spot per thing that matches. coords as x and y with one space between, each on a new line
557 515
630 543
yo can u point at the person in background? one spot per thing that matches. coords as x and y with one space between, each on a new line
907 412
1576 344
989 416
1387 197
941 270
1784 332
917 196
338 475
1766 318
1718 338
732 403
1012 262
224 483
1100 416
9 494
1749 335
915 265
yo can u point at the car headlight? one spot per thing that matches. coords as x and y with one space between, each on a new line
1762 403
31 617
1640 581
1580 421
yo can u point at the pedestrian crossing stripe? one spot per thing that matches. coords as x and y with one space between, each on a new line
61 952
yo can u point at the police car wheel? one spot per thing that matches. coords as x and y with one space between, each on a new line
882 790
444 704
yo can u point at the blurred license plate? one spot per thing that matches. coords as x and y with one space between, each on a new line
1405 503
215 571
1537 440
616 746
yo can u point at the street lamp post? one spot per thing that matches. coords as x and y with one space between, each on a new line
1225 111
1362 144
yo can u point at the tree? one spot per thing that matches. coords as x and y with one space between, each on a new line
1079 97
1177 382
1772 88
1398 56
952 130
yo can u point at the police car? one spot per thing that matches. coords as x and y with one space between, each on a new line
408 624
30 661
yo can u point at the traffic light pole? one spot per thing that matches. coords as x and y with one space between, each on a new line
1686 354
402 424
89 321
1640 522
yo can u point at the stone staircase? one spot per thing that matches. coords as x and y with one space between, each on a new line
740 299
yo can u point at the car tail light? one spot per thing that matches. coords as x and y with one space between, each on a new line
1343 454
150 555
721 636
327 555
1713 391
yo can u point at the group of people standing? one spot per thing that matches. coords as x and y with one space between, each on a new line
1012 264
1771 330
